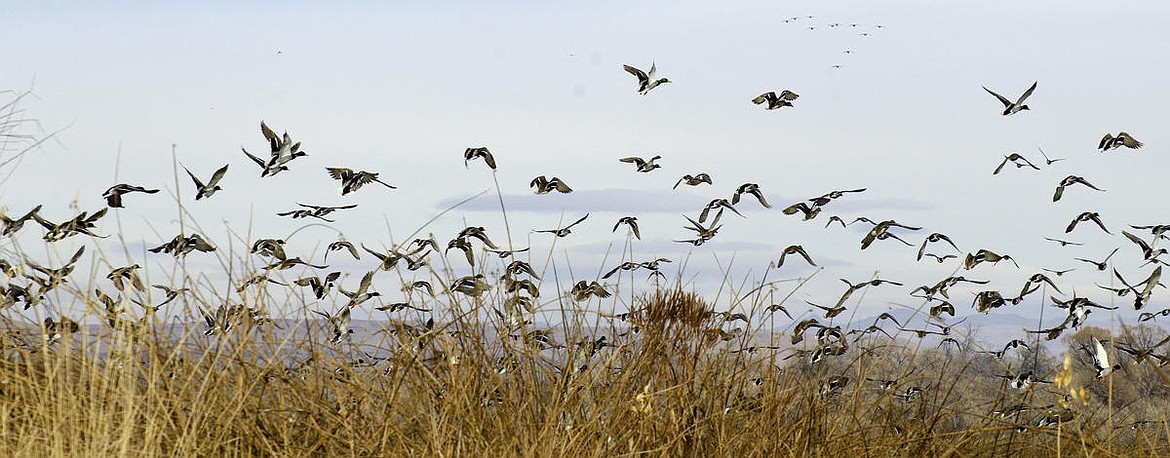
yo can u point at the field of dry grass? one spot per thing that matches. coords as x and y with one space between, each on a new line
461 388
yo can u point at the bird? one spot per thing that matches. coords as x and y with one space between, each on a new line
122 274
1109 142
693 180
545 185
206 190
1101 360
934 237
938 258
338 323
808 212
631 221
1148 252
583 289
361 294
831 195
1058 272
830 312
265 169
315 211
1069 181
113 195
719 204
1063 242
1049 161
1086 216
644 166
564 231
471 154
880 231
1010 107
1016 159
342 245
646 81
506 253
776 101
794 249
944 307
351 181
282 150
749 188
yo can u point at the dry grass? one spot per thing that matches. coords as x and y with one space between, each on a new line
461 388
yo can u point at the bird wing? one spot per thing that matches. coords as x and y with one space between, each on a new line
198 184
1000 166
267 132
788 95
255 159
338 173
218 175
763 97
1129 141
578 221
1100 356
1105 141
1026 93
638 73
1059 192
1004 101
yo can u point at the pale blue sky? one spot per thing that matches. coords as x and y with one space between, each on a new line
402 89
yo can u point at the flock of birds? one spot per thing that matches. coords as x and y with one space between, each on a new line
29 282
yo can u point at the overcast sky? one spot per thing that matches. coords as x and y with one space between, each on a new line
402 89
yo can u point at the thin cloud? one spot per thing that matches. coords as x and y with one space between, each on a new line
603 200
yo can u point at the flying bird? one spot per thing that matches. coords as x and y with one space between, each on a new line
646 81
693 180
794 249
776 101
546 185
1101 360
1017 159
1122 139
1086 216
564 231
631 221
1050 161
206 190
113 195
749 188
352 181
643 165
481 152
1010 107
1069 181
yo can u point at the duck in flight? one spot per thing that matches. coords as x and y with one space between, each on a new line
353 180
206 190
776 101
1069 181
564 231
113 195
646 81
1122 139
644 166
1010 107
693 180
1017 159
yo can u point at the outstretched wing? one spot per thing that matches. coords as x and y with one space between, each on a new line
1026 93
1001 98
